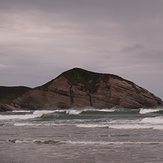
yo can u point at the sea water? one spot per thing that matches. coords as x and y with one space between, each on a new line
82 136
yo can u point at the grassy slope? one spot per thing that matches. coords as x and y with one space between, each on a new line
87 78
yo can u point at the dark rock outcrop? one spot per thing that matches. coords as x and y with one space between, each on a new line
80 88
5 107
8 94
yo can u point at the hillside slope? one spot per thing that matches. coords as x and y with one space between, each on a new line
80 88
8 94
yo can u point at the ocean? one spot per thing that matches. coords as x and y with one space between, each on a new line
82 136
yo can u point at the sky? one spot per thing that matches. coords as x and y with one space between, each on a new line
40 39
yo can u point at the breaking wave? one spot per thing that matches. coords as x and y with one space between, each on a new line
24 116
136 118
153 120
143 123
146 111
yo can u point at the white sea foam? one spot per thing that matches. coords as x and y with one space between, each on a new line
73 112
145 111
35 114
21 111
37 124
85 142
124 121
145 123
107 110
153 120
132 126
91 125
20 141
30 124
38 112
23 141
112 143
158 127
14 117
100 110
23 124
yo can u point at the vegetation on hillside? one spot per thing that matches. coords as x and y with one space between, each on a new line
8 94
44 86
87 78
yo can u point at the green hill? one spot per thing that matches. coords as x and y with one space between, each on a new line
8 94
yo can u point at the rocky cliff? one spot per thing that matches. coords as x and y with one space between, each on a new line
8 94
4 108
80 88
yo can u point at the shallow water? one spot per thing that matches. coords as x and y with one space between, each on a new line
83 136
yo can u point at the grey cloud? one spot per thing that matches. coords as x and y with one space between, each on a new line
134 48
141 53
92 10
40 39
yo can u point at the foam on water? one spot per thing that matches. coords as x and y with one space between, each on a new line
91 125
36 141
41 112
30 124
133 126
112 143
146 111
36 124
73 112
56 142
21 111
77 111
35 114
18 117
19 141
158 127
107 110
145 123
153 120
116 126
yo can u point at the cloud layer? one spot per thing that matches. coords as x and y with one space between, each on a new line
40 39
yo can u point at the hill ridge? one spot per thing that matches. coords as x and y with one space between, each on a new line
81 88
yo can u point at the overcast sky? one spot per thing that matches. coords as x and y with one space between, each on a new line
39 39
